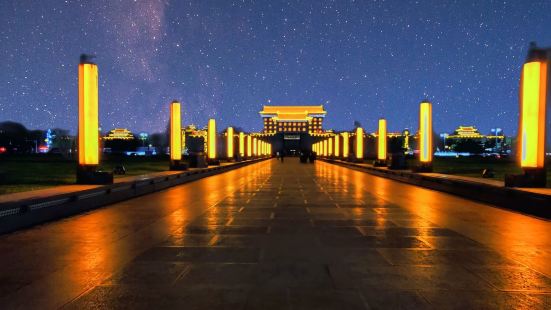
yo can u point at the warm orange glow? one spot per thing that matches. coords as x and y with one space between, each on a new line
88 124
337 146
175 131
345 144
241 144
211 138
229 142
249 146
533 96
425 132
359 143
381 153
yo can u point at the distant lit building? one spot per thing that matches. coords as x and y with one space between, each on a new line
468 139
466 132
293 119
119 134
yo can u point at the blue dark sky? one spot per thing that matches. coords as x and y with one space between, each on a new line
225 59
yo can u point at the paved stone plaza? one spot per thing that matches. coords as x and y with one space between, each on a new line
284 236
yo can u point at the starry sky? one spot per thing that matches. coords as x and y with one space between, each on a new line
224 59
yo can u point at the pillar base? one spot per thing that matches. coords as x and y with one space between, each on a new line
380 163
198 161
90 175
422 167
213 162
535 177
178 165
397 162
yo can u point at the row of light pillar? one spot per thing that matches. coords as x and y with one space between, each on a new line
330 145
533 97
88 132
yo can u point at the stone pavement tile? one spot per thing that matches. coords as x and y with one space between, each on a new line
255 241
394 299
325 299
418 222
238 221
513 278
468 299
135 297
151 274
201 254
417 257
219 275
188 240
407 231
454 243
372 242
268 299
349 222
348 256
230 230
295 253
444 277
278 275
346 242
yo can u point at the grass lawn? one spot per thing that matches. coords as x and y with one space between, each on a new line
24 173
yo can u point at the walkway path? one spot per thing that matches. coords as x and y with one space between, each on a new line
277 236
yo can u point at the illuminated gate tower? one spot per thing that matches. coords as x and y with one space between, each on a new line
291 126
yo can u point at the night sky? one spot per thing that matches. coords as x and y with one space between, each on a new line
225 59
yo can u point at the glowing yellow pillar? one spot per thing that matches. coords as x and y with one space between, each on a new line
211 139
425 132
324 147
175 131
359 143
337 146
242 144
88 124
229 142
345 144
533 95
255 147
249 146
330 146
381 142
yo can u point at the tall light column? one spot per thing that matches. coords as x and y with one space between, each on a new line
88 125
229 143
345 144
329 146
241 144
249 146
176 137
533 96
381 144
359 144
425 136
255 147
337 146
211 139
